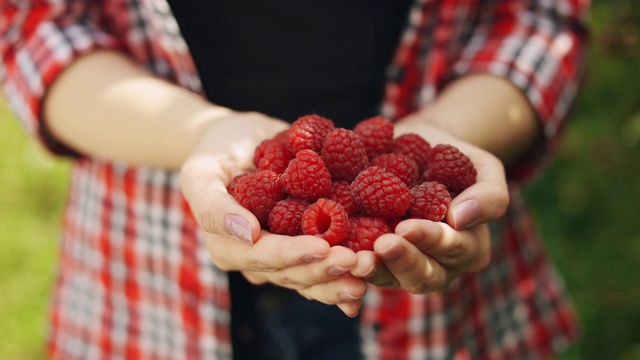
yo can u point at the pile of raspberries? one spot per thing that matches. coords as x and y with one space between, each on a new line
349 186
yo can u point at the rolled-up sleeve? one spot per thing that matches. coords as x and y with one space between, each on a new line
38 40
539 46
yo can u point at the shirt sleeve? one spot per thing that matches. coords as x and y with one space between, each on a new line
38 40
539 46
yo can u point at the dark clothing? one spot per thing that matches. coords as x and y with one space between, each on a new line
290 58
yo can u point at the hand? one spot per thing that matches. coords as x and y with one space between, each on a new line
232 233
424 256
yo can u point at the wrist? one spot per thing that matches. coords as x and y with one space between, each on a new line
431 127
231 137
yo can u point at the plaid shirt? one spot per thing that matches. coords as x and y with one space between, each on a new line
135 280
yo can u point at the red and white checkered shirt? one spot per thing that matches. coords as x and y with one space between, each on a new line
135 279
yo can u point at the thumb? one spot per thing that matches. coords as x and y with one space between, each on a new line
484 201
203 180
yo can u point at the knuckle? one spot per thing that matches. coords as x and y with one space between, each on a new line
206 219
258 264
500 201
482 261
284 279
430 283
406 266
454 251
384 282
417 289
253 279
305 293
503 199
221 264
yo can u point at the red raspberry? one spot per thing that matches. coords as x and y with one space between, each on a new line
451 168
259 192
429 200
308 132
276 157
376 134
379 193
279 138
307 177
286 216
327 219
363 232
415 147
341 193
344 154
400 165
231 187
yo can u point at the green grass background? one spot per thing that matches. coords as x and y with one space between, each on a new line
587 205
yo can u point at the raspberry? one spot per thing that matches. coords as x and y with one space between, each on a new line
429 200
308 132
279 138
379 193
363 232
231 187
286 217
259 192
400 165
415 147
450 167
258 153
306 177
327 219
276 158
341 193
344 154
376 134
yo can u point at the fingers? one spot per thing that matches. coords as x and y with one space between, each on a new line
369 268
351 309
346 292
458 251
424 256
203 180
415 272
338 261
225 150
484 201
270 253
326 280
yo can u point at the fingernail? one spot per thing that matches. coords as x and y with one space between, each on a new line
237 226
353 315
465 214
392 252
337 270
412 235
369 273
313 257
344 297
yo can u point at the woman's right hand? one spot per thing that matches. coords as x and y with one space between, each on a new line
233 234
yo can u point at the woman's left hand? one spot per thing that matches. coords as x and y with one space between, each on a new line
423 256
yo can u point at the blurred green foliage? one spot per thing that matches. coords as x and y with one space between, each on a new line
32 191
587 205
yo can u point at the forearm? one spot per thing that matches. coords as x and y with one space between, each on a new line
104 105
484 110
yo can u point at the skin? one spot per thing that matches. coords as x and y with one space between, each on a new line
106 106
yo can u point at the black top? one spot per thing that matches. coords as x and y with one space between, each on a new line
288 58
